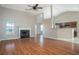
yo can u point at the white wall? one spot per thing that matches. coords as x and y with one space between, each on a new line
47 12
0 29
20 19
1 23
66 33
49 32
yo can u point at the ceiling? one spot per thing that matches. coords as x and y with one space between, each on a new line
23 7
57 8
60 8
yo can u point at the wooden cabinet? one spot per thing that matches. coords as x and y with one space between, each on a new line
67 25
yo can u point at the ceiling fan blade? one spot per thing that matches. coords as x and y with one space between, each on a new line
36 5
40 7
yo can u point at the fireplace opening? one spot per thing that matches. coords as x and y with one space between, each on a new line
24 33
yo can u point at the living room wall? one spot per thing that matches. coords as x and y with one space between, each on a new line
49 32
69 16
64 34
20 19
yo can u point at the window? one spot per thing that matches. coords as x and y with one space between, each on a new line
9 28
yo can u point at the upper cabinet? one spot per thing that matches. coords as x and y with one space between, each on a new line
67 25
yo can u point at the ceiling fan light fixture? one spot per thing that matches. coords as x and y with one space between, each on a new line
34 7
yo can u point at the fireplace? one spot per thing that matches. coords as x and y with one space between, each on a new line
24 33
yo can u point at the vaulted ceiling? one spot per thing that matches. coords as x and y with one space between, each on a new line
57 8
24 7
61 8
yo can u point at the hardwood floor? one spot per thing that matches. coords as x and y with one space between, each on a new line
37 46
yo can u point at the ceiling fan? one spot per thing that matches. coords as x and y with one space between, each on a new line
34 7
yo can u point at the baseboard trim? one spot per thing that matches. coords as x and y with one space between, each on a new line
8 39
61 39
64 39
12 39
